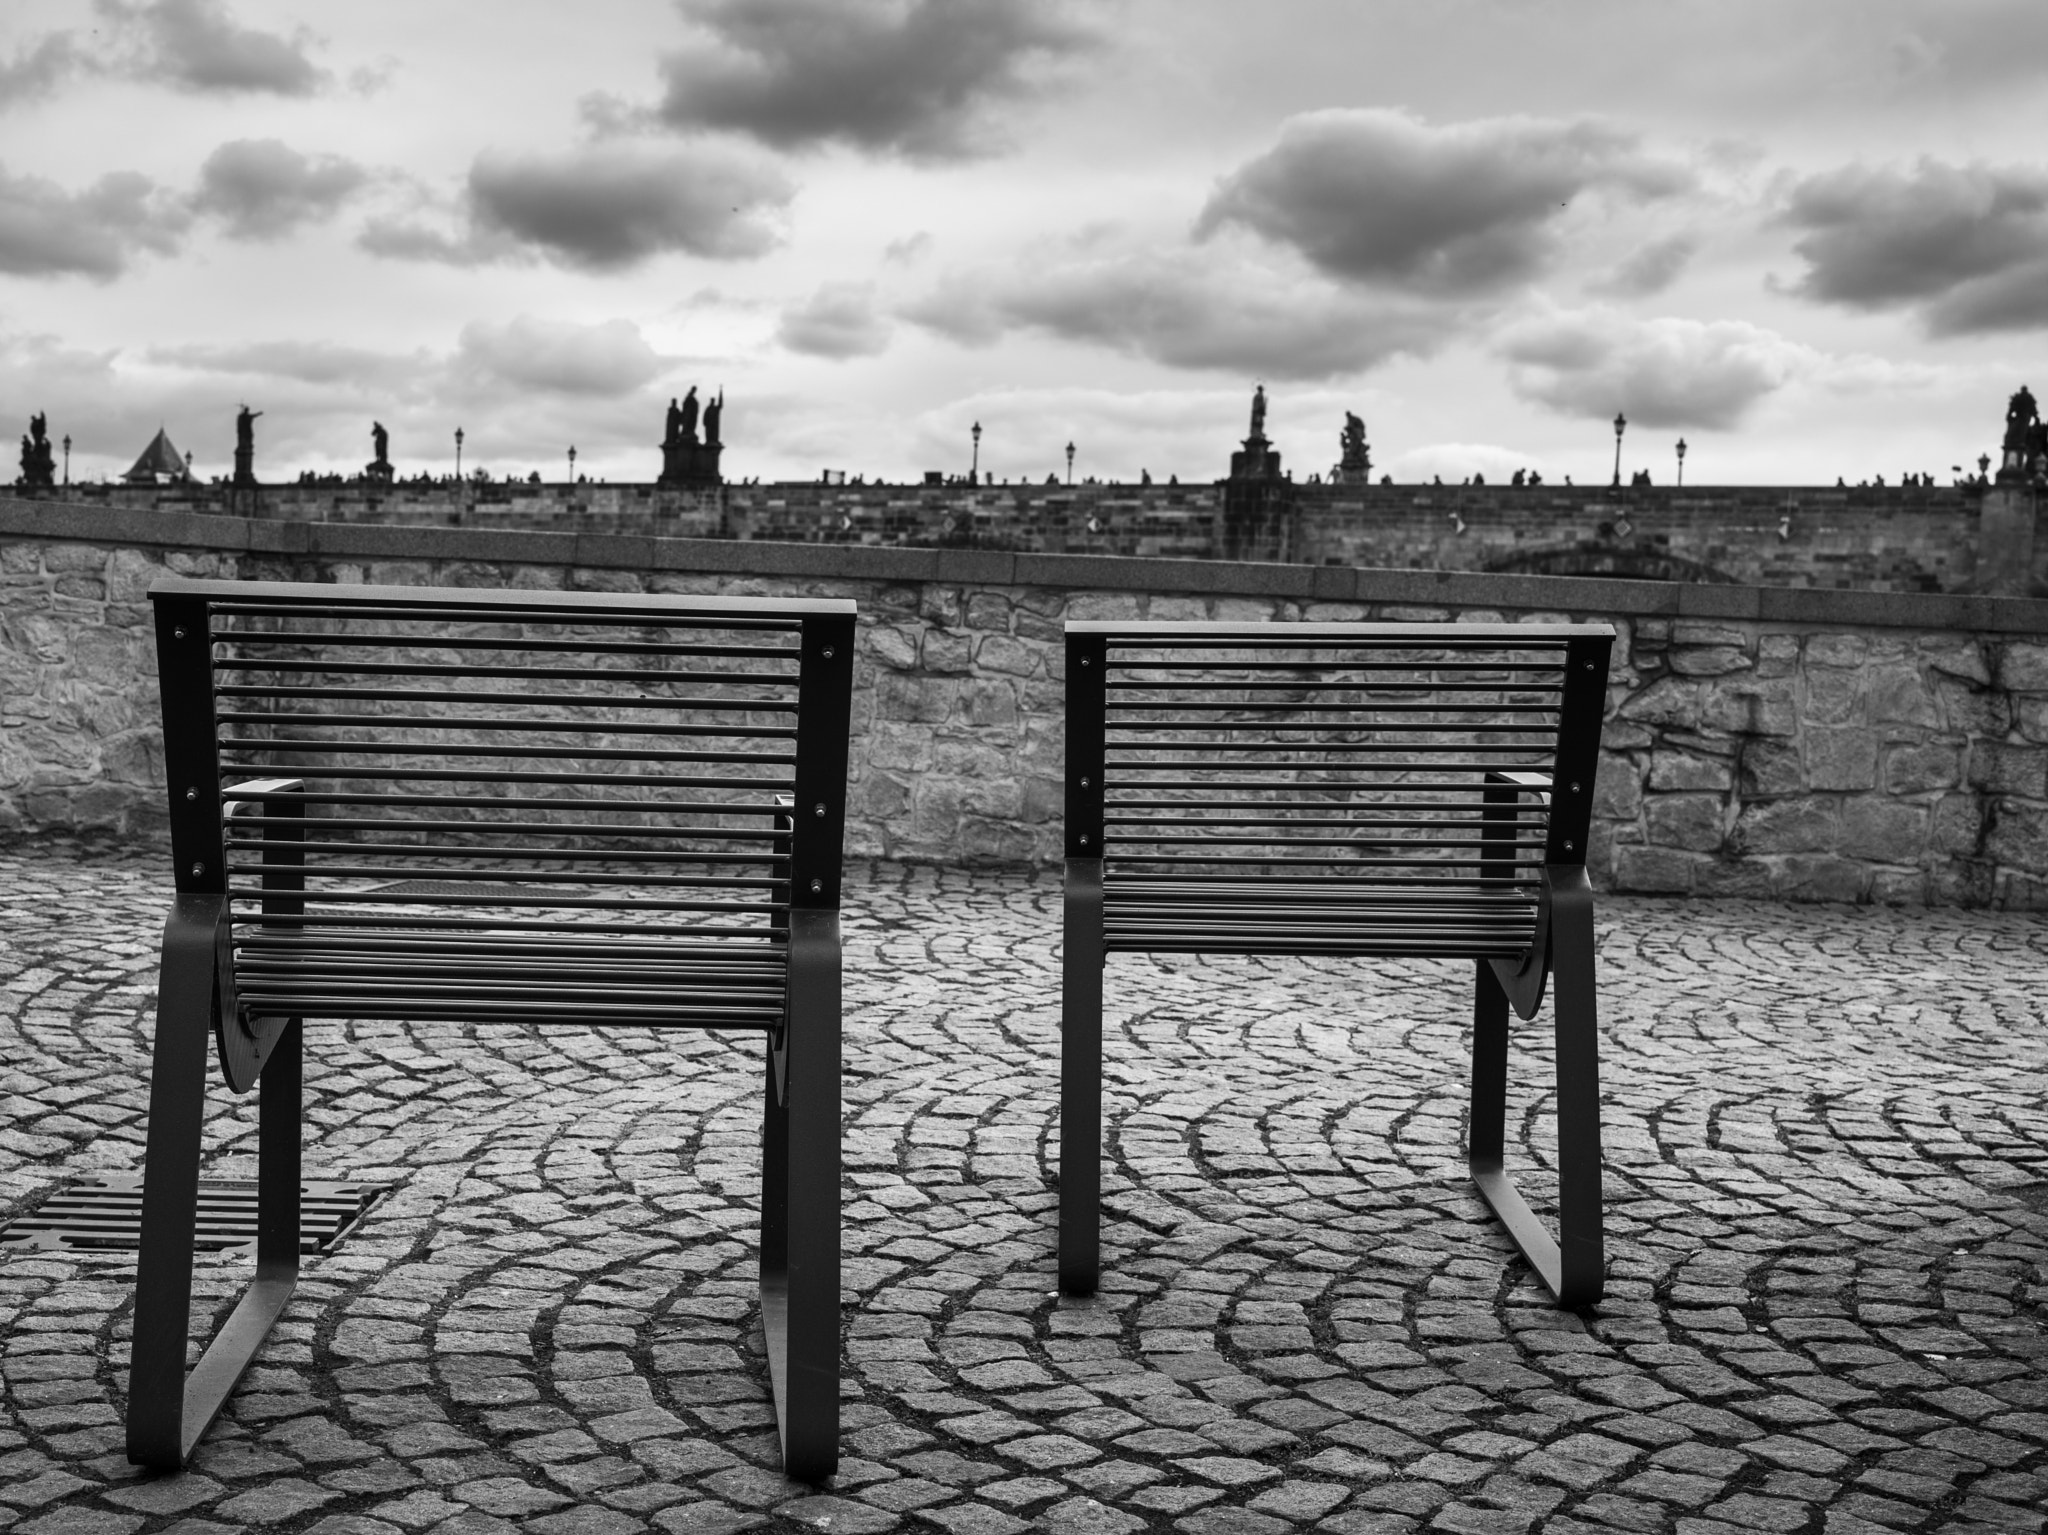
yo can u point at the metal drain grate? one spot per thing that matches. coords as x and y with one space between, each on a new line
105 1215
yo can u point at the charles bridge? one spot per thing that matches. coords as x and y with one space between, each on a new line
1908 538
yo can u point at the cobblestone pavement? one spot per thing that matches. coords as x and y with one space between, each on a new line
1828 1185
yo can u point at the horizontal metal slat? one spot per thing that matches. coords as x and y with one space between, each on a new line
247 637
422 921
530 700
425 1009
1471 819
508 775
1296 685
1489 845
407 748
514 877
1470 805
350 668
312 848
580 616
252 938
512 802
545 726
316 825
563 902
1360 707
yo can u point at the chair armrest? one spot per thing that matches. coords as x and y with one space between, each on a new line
254 791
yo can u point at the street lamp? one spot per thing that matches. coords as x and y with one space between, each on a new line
1681 461
1070 463
67 458
458 455
1620 426
974 474
572 465
1983 466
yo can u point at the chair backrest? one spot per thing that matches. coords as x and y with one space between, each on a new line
1391 765
533 769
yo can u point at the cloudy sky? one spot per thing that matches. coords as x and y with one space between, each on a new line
1810 238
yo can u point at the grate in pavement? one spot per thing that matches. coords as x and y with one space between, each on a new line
104 1214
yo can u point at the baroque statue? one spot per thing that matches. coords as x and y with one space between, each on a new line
38 462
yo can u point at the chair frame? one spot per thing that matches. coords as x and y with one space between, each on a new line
169 1411
1572 1264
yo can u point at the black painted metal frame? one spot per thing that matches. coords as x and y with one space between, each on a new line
735 950
1482 814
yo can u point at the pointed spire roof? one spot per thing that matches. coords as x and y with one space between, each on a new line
158 458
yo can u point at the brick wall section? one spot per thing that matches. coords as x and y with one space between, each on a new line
1809 745
1890 538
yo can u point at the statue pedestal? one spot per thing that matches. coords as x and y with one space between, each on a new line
690 463
245 466
1257 460
2006 517
379 473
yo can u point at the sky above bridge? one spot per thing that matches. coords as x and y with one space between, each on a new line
1811 239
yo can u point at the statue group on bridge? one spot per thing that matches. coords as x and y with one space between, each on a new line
2025 458
38 458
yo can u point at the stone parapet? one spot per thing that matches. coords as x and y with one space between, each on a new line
1835 745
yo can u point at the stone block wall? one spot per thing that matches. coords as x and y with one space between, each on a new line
1805 745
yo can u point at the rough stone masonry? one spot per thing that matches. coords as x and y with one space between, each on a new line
1804 745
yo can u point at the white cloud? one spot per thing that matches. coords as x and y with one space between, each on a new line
1659 372
607 360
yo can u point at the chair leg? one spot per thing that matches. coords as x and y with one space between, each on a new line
1080 1145
1573 1265
800 1206
168 1414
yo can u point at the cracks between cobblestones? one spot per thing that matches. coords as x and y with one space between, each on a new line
1828 1231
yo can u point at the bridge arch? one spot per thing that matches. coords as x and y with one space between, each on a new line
1626 562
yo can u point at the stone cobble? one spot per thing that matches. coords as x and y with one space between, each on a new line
1827 1179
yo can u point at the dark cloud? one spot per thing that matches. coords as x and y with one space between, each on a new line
39 67
1376 196
610 206
48 232
606 360
189 45
1648 270
1662 373
839 320
262 189
1966 247
198 45
1186 312
913 77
